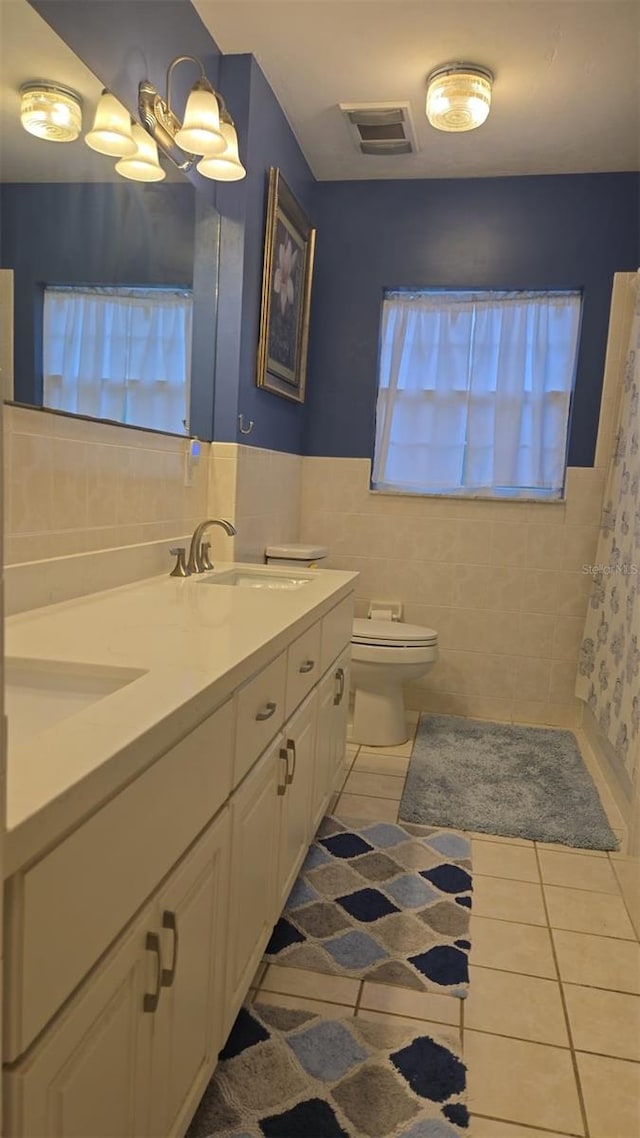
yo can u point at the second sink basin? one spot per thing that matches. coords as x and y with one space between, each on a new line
258 579
40 693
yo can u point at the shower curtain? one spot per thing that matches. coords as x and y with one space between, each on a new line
609 667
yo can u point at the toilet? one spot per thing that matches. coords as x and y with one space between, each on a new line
385 654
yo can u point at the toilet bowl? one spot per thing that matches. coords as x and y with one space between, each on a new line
385 655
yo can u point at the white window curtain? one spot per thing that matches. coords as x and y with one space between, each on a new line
122 354
474 392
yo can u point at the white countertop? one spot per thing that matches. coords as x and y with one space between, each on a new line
195 642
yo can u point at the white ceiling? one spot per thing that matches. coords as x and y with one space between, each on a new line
566 96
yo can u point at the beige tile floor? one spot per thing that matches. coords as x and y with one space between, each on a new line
551 1027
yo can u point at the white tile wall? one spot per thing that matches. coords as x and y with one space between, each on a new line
267 509
74 486
501 582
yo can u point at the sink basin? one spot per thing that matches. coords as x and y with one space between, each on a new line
41 693
258 579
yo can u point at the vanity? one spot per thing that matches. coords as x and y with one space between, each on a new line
154 832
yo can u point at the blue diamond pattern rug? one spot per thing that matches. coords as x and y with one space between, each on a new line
288 1073
381 903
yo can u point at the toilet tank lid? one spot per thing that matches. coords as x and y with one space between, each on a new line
296 552
392 632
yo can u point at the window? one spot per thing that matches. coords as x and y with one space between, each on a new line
122 354
474 391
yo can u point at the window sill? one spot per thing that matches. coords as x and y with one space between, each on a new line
529 499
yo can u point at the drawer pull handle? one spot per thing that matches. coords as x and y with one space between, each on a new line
340 692
307 666
267 711
152 944
284 754
291 749
169 974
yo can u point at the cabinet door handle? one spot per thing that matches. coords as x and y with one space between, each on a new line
168 975
291 749
307 666
267 711
284 754
340 692
152 944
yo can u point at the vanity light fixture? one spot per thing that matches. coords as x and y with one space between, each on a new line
111 130
143 165
225 167
50 111
458 96
206 137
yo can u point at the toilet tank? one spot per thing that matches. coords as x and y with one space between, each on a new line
294 554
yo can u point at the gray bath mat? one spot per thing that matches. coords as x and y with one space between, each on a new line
287 1073
378 903
498 778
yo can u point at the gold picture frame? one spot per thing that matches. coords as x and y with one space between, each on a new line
289 250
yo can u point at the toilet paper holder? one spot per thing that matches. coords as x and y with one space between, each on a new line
385 610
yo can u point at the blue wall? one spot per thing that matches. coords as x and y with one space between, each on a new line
561 231
85 233
267 140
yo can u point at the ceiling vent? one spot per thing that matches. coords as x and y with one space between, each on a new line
380 128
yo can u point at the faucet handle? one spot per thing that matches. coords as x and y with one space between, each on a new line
179 569
205 560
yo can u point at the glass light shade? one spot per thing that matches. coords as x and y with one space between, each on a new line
225 167
111 131
200 132
143 166
50 112
458 98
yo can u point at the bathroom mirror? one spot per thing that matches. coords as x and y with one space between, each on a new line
102 267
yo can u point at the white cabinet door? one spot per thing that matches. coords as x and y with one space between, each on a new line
254 847
191 914
89 1076
333 694
295 804
134 1050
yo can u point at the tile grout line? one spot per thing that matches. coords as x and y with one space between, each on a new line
527 1126
552 979
558 928
544 1043
298 996
565 1010
624 902
553 884
358 1003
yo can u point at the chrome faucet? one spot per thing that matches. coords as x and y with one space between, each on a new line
195 564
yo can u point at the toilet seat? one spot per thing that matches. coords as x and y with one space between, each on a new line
392 634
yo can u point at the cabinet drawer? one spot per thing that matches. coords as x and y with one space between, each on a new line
303 667
337 628
67 908
260 714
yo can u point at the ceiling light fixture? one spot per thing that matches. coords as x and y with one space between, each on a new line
207 135
50 111
458 96
111 131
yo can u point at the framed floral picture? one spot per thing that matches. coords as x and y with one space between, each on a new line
286 293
